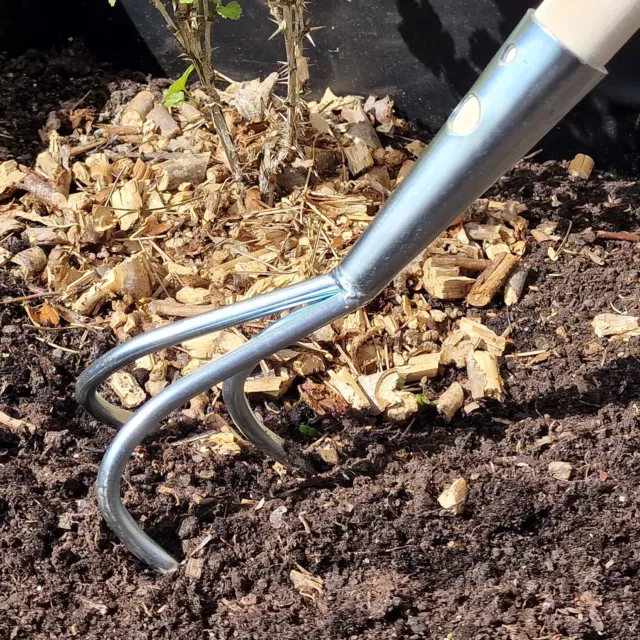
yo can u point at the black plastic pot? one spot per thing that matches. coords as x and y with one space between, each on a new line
424 53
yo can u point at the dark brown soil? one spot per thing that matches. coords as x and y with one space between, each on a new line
39 82
530 558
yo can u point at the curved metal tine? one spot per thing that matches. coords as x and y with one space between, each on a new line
245 419
148 418
88 383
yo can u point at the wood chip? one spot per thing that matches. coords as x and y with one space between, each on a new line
130 278
325 334
459 260
193 295
612 324
137 110
452 499
425 365
416 148
15 424
360 129
455 349
169 128
127 389
622 236
359 158
471 407
446 283
30 262
128 201
405 170
482 337
307 364
384 391
515 286
329 453
581 166
44 236
188 168
346 385
484 376
10 176
491 280
189 112
307 584
331 102
103 219
222 444
157 378
320 123
272 386
560 470
171 308
46 315
194 568
10 225
252 97
450 401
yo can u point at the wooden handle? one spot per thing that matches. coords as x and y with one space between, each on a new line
594 30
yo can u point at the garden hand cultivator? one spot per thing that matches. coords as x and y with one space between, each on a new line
551 61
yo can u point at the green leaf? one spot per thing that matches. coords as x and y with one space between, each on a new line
177 92
112 3
306 430
186 1
231 11
423 400
173 100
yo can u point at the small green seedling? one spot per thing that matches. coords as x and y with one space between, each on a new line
177 92
308 431
422 400
231 11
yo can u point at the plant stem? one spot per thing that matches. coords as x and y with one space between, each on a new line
189 24
292 76
289 14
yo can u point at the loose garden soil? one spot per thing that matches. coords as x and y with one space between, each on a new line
531 557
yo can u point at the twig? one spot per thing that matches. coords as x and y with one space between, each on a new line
33 296
70 327
53 345
89 146
15 424
623 236
222 76
167 18
76 104
192 439
40 189
566 237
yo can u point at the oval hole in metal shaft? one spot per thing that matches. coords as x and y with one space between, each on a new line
509 54
466 117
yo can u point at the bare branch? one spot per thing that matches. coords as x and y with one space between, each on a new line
190 25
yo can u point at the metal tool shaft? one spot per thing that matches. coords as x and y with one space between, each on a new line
529 86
